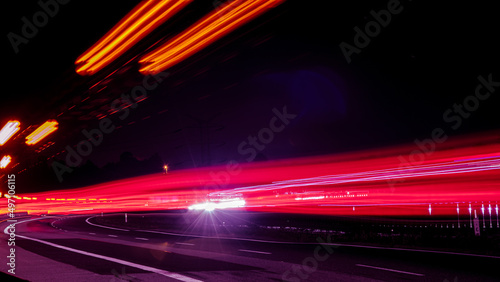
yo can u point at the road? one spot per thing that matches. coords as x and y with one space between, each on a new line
62 248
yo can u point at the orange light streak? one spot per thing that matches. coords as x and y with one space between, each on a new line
207 30
138 23
8 131
41 132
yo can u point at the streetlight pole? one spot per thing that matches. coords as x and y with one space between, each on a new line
470 215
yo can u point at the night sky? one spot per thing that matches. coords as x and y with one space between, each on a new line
394 90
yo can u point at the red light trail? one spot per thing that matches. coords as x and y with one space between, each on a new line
8 131
466 172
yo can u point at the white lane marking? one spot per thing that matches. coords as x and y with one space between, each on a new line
123 262
102 226
313 243
251 251
392 270
412 250
139 238
92 233
186 244
114 236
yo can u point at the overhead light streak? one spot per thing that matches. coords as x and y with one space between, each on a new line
4 162
138 23
41 132
445 168
203 33
326 185
8 131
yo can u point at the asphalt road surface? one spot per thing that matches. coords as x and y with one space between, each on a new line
76 248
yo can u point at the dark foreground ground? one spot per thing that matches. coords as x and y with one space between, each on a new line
437 234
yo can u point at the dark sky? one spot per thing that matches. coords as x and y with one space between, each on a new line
426 59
